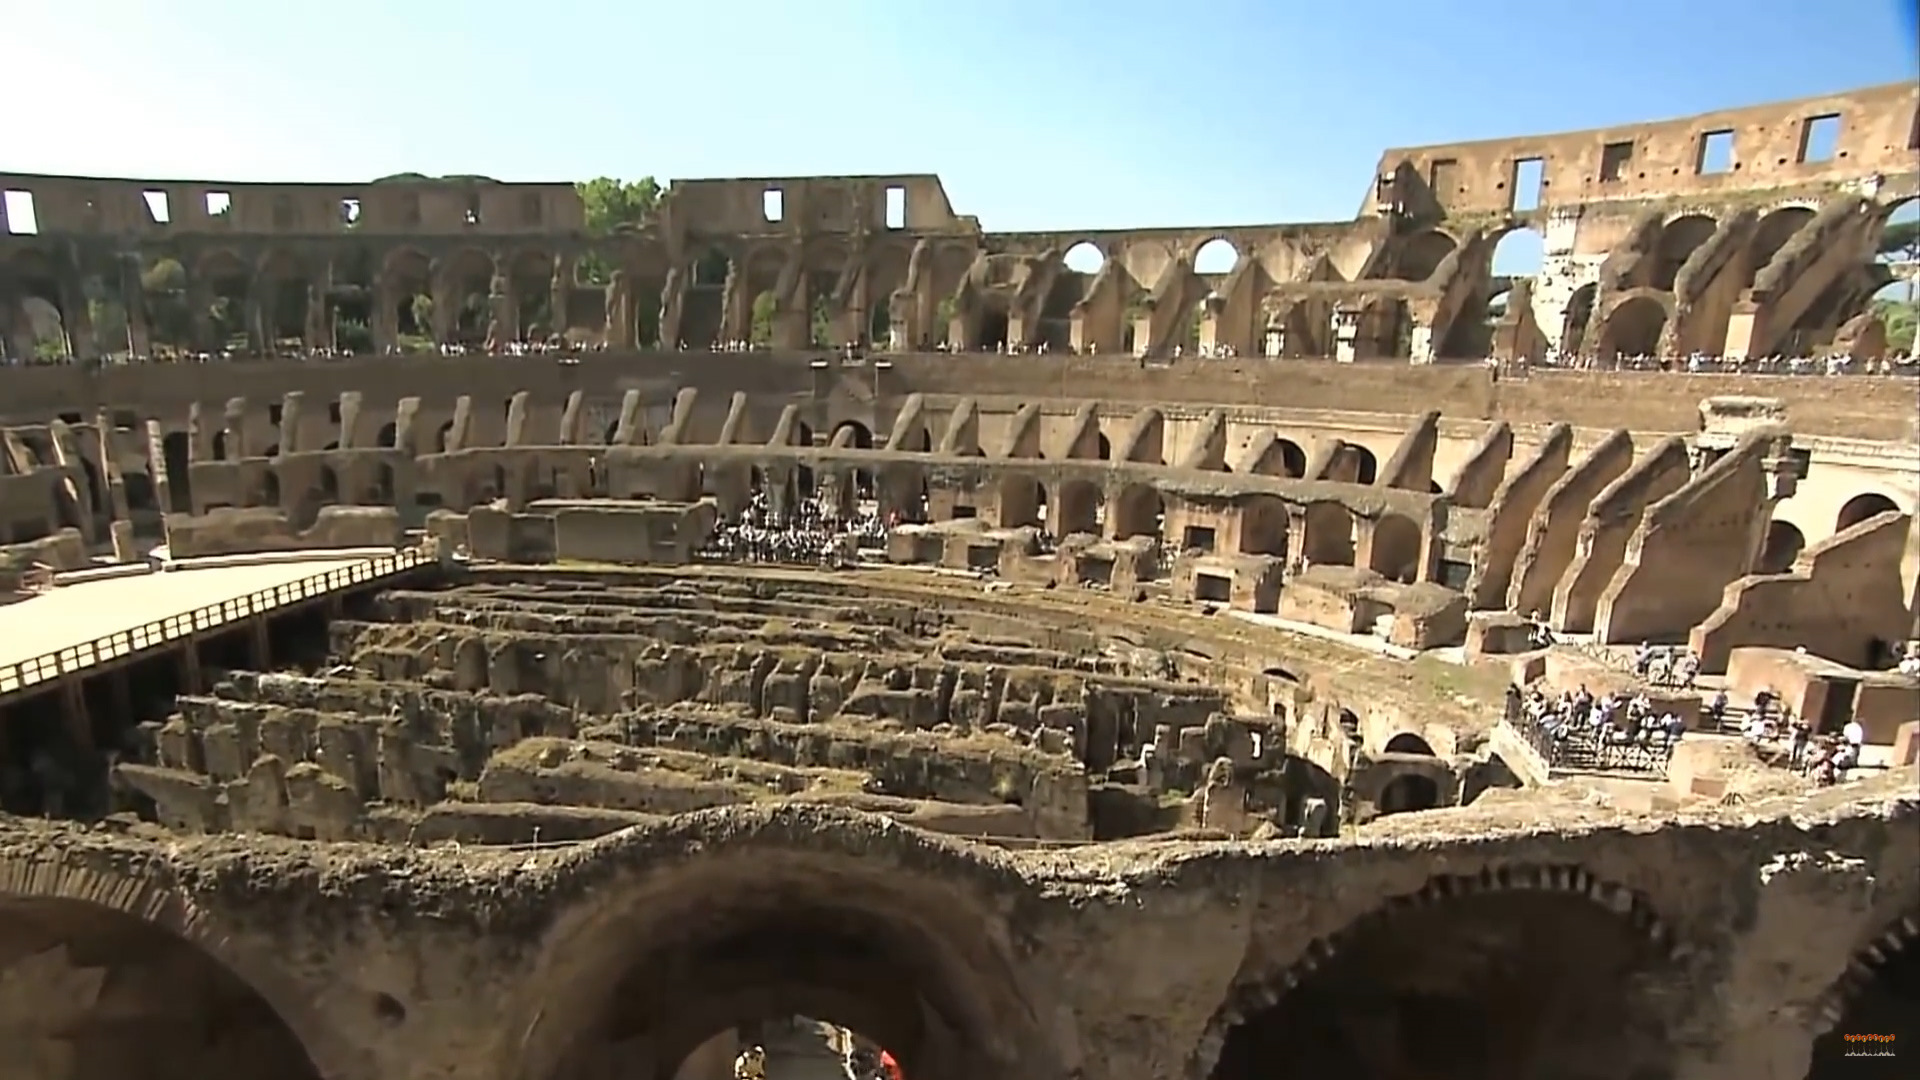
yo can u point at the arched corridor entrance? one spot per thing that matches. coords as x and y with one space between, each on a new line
1470 979
89 993
740 947
1880 996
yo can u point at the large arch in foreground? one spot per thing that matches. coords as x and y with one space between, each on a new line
1491 977
676 934
1870 1018
107 974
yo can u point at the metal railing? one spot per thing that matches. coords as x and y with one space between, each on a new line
1577 748
123 643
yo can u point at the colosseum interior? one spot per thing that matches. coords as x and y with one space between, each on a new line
518 704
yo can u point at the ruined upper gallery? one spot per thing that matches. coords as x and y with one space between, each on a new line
1746 232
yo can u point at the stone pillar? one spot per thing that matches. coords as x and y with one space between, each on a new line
386 314
259 293
157 466
559 292
200 314
76 319
110 468
133 296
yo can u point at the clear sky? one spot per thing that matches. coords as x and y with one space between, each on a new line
1037 114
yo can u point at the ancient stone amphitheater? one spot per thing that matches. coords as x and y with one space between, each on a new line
1162 732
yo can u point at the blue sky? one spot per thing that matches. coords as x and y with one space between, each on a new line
1040 114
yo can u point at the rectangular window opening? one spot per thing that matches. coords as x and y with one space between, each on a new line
1715 155
1819 138
21 219
349 212
1212 588
1198 537
896 208
1441 177
158 210
1614 159
773 204
1529 176
219 204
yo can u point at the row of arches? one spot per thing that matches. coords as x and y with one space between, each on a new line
1522 972
1785 540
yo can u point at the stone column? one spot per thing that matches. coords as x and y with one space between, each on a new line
133 296
559 292
386 314
76 319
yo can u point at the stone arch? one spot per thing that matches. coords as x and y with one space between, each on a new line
68 902
1138 510
1022 501
388 435
226 283
1633 327
1218 255
465 281
1573 331
1396 548
678 932
1861 507
406 275
1408 743
1769 236
1678 239
1082 505
1879 994
1084 257
1421 254
1264 522
1407 793
1463 954
1784 543
851 435
281 277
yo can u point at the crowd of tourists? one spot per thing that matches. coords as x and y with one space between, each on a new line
1664 665
809 534
860 1063
1826 364
1823 758
1617 718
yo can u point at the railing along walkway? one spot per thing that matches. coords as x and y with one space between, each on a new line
123 643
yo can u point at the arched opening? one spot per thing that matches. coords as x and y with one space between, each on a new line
1897 303
737 948
1406 793
851 435
1103 447
1263 526
1293 459
1470 979
1396 549
1677 241
1022 501
1633 329
409 290
1573 332
387 436
1421 255
1520 253
220 446
1880 997
1769 237
918 441
1861 507
1408 743
114 996
1216 256
442 436
382 493
1138 511
175 451
1084 258
1353 464
1082 506
1784 543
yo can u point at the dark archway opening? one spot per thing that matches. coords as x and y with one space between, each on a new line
1784 544
1861 507
174 451
1504 984
1883 1001
1408 743
756 974
1408 792
134 1002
